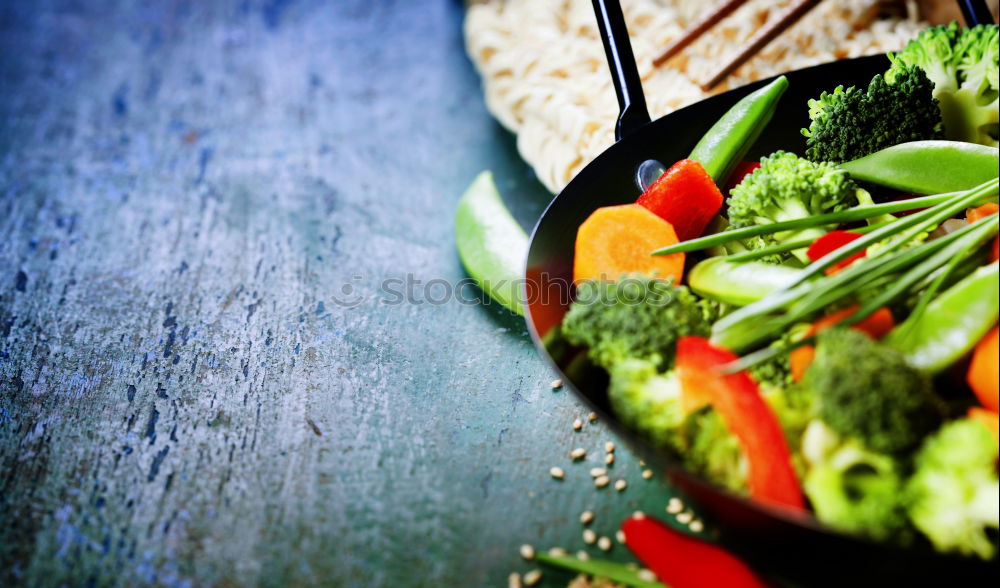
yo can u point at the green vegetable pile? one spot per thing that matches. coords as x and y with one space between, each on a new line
878 420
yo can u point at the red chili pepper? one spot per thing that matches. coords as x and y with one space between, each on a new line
686 197
770 478
681 561
740 172
829 243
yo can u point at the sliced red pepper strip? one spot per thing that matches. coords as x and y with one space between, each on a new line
681 561
771 478
740 172
829 243
686 197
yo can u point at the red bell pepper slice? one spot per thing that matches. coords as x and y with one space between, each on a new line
771 478
681 561
740 172
686 197
829 243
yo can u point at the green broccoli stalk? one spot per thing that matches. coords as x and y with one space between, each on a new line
848 124
636 317
962 63
650 403
868 391
954 493
786 187
852 488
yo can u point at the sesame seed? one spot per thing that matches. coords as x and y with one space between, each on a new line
592 417
647 575
582 555
620 484
696 526
589 536
604 544
638 515
557 472
642 463
527 552
620 536
597 472
586 517
609 447
514 580
685 518
647 474
602 481
556 384
532 577
557 552
609 458
578 453
577 424
675 505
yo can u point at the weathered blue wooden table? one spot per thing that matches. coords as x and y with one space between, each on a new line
203 378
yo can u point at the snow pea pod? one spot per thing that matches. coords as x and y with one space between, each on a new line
927 167
729 139
952 323
738 283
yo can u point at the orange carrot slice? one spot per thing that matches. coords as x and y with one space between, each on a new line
618 240
984 373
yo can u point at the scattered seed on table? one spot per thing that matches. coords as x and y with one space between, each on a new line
642 463
602 481
578 453
557 472
514 580
675 505
589 536
527 552
604 544
532 577
597 472
582 555
592 417
620 484
586 517
609 447
609 458
696 526
685 518
647 474
556 384
647 575
638 515
577 424
620 536
557 552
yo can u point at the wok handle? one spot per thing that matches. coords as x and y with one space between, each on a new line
625 75
975 12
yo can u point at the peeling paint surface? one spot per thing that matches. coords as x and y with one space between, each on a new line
200 382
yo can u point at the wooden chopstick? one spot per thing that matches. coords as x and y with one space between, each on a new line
698 29
764 36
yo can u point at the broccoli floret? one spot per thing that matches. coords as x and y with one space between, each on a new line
787 187
712 451
650 402
848 124
962 63
647 401
954 494
852 488
868 391
636 317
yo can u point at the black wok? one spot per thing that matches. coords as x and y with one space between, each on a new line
794 550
